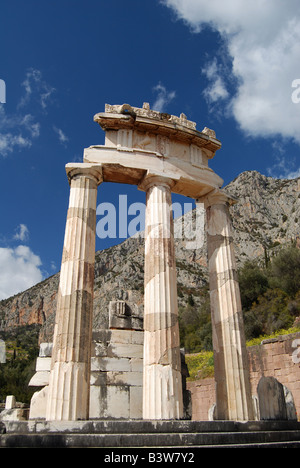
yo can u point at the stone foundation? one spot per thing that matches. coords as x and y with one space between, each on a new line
116 382
162 440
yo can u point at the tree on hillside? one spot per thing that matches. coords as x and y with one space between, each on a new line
271 297
253 283
195 325
285 271
269 314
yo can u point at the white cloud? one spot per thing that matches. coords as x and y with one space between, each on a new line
283 167
19 270
263 42
61 136
10 142
35 88
12 132
33 127
163 98
217 88
18 130
22 233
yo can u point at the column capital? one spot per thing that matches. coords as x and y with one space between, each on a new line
151 180
217 197
91 171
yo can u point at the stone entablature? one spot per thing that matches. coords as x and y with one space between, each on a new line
148 113
140 143
164 123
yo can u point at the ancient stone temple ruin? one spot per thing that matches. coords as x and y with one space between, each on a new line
160 154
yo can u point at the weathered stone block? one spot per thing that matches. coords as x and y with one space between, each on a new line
136 403
271 399
45 349
110 364
38 404
125 378
118 401
14 414
136 364
101 336
127 350
121 336
125 316
98 402
10 402
137 337
290 404
43 364
99 349
127 336
98 378
39 379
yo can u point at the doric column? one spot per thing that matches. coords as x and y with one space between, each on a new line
233 391
162 387
68 397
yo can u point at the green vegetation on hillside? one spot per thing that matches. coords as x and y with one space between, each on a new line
201 365
270 295
21 352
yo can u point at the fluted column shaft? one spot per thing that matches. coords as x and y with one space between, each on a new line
68 397
162 387
233 391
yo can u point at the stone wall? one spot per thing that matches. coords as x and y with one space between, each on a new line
116 381
278 357
117 374
203 397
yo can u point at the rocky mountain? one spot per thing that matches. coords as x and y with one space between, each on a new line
266 216
267 213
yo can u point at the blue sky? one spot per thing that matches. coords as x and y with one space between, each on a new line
227 64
